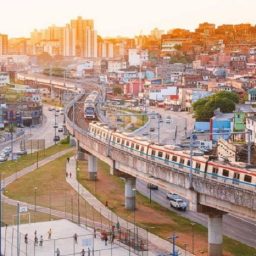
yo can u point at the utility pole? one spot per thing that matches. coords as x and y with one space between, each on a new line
1 214
173 238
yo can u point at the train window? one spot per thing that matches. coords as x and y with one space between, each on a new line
160 154
225 173
137 147
174 158
198 165
182 161
215 172
167 157
153 153
118 140
122 142
188 163
247 178
127 143
132 145
142 149
236 178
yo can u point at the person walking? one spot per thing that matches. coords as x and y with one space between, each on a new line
26 238
70 175
50 233
88 252
83 252
106 240
36 241
58 252
75 238
68 159
41 241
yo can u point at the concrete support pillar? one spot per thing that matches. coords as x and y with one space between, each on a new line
72 141
130 193
92 167
215 236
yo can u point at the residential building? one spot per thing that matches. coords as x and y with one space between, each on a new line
4 78
85 37
137 57
221 123
116 65
3 44
251 127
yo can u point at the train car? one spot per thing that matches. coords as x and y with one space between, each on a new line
90 104
235 174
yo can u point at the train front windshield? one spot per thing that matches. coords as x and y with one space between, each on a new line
89 111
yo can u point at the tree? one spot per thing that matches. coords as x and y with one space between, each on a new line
204 108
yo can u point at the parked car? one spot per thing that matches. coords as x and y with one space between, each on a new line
3 157
152 129
178 203
7 150
21 152
60 129
152 186
56 138
55 126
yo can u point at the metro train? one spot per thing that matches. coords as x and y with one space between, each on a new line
234 173
90 105
47 81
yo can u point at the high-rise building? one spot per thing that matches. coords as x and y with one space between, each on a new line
86 37
3 44
69 41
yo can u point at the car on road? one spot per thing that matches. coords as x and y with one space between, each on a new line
21 152
56 138
178 203
168 120
152 129
171 195
60 129
3 158
55 126
7 150
152 186
50 108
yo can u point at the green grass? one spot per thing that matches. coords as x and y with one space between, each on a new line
9 167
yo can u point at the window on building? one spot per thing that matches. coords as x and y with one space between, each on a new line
160 154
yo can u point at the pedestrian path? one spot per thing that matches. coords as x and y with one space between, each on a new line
154 240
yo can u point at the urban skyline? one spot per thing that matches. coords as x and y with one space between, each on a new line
113 20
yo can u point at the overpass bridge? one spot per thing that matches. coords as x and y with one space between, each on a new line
207 196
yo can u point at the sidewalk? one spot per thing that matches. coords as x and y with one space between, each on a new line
157 242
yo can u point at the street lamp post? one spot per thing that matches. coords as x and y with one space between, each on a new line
134 220
35 189
193 237
95 179
78 196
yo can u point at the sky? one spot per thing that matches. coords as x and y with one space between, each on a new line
118 17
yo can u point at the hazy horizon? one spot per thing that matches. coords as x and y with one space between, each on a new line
123 18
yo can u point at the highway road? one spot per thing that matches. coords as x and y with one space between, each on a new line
174 132
236 228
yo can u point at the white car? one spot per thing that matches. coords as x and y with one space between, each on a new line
178 203
3 157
